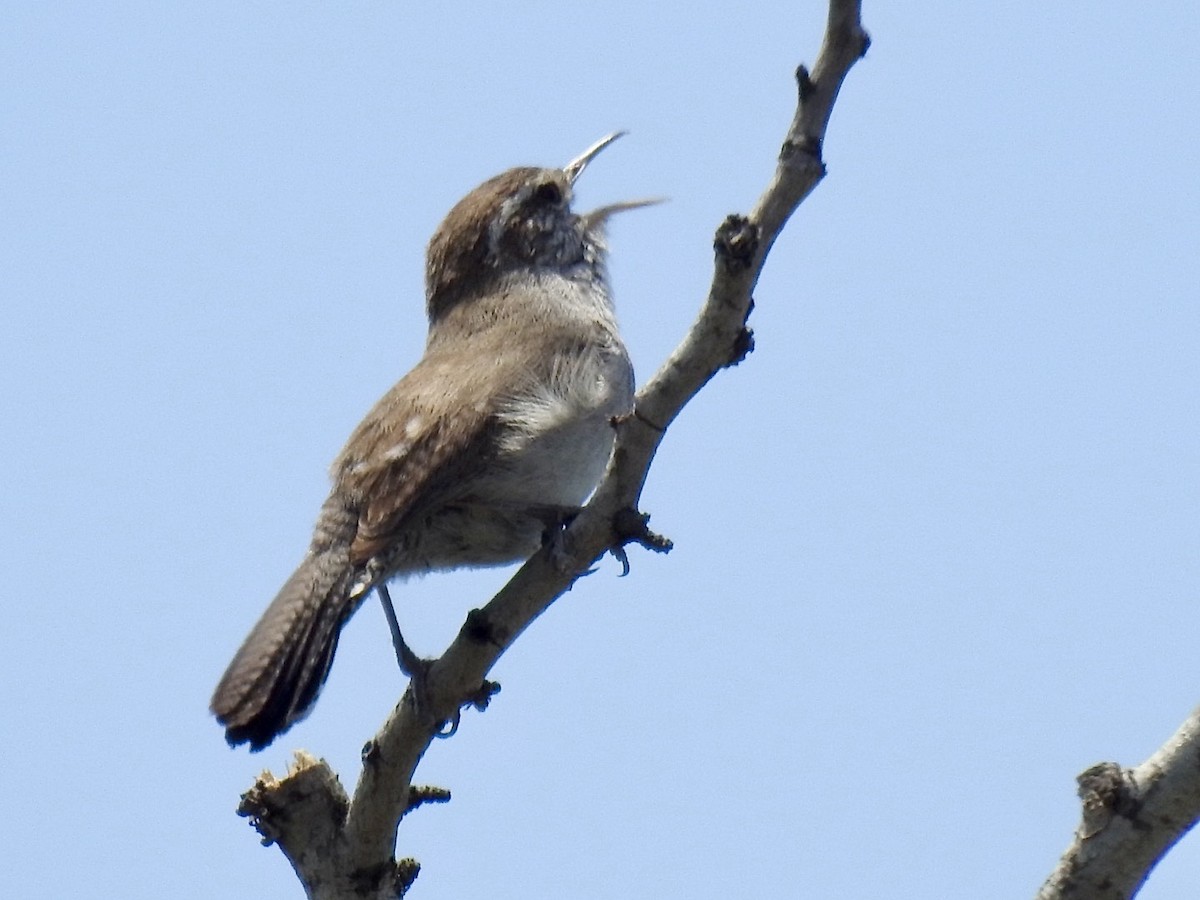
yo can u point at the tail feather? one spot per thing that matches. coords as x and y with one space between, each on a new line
274 678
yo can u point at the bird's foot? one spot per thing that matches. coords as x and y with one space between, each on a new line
629 527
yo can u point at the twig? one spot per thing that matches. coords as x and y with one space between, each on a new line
1131 818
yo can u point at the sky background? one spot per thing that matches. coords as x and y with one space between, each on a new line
936 540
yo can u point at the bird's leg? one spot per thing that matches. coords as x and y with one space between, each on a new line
416 668
410 664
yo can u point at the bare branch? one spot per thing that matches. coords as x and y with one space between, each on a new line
1131 818
353 855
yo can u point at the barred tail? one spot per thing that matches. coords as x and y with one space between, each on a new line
276 675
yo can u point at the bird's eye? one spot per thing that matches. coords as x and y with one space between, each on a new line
548 193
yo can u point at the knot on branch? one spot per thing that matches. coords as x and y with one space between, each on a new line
371 753
736 243
1106 790
479 629
743 343
803 151
743 346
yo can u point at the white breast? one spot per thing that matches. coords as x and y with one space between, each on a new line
560 432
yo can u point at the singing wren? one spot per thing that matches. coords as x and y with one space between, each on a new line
495 437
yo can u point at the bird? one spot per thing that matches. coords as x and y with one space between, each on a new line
486 447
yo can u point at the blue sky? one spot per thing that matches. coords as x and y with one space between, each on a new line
936 540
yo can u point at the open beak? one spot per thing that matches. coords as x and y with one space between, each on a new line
575 168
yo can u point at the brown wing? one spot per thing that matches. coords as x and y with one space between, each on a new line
396 490
425 439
